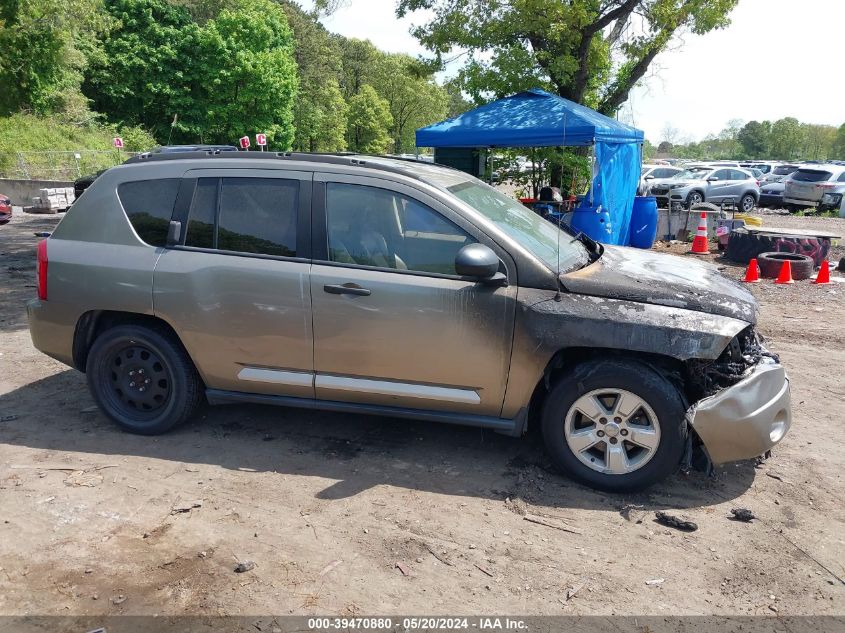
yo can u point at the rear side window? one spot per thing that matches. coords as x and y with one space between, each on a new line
842 177
245 215
149 207
811 175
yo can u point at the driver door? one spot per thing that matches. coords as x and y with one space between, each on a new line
393 324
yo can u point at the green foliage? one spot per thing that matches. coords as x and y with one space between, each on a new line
785 139
40 141
234 75
243 77
412 96
44 44
588 51
369 122
838 149
755 138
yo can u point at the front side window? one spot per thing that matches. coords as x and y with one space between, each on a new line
739 175
149 207
369 226
244 215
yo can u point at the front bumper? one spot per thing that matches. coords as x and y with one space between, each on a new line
747 419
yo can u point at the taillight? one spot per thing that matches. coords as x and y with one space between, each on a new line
41 270
827 185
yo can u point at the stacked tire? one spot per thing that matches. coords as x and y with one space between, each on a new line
744 245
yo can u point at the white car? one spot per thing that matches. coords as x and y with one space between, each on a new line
655 172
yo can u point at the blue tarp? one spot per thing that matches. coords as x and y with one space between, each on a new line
536 118
533 118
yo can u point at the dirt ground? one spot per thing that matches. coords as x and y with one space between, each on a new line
349 514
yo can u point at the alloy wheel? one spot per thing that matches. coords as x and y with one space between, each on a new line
612 431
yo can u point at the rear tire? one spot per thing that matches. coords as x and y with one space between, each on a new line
747 203
143 379
644 419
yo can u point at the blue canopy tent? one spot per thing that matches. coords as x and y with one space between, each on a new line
536 118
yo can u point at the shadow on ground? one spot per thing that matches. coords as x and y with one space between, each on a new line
359 452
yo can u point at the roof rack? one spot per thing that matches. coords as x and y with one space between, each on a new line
349 159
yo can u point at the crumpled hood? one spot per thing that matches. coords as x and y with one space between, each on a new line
644 276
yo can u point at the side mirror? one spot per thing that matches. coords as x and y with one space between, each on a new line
479 262
649 177
713 179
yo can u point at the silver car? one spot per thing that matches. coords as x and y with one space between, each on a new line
405 289
651 173
708 184
807 186
779 172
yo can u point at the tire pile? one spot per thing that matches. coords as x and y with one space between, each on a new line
743 246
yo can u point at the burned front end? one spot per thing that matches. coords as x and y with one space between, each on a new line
742 400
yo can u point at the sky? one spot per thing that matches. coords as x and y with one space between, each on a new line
778 58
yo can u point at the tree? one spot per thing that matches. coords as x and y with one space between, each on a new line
457 104
754 138
243 76
140 76
670 135
369 122
44 45
412 96
787 139
819 140
838 149
588 51
320 109
234 75
321 119
359 59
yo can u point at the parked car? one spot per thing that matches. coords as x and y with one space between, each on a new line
5 209
708 184
779 172
771 195
765 167
407 289
806 187
653 172
834 199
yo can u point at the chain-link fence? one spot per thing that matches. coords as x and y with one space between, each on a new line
53 165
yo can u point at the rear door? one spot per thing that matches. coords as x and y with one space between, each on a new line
235 286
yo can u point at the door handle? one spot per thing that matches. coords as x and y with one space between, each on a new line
347 289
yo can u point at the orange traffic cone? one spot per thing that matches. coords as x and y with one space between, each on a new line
824 274
752 273
699 244
785 276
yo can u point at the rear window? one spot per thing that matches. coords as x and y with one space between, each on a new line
784 170
245 215
811 175
149 207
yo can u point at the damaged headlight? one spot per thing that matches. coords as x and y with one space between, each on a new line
745 351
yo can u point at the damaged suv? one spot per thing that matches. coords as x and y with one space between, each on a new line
400 288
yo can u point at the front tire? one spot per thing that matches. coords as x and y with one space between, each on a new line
615 425
143 379
694 198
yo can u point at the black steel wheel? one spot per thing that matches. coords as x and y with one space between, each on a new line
142 379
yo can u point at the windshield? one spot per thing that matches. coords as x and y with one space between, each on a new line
536 235
691 174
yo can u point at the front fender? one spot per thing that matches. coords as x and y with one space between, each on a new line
545 325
